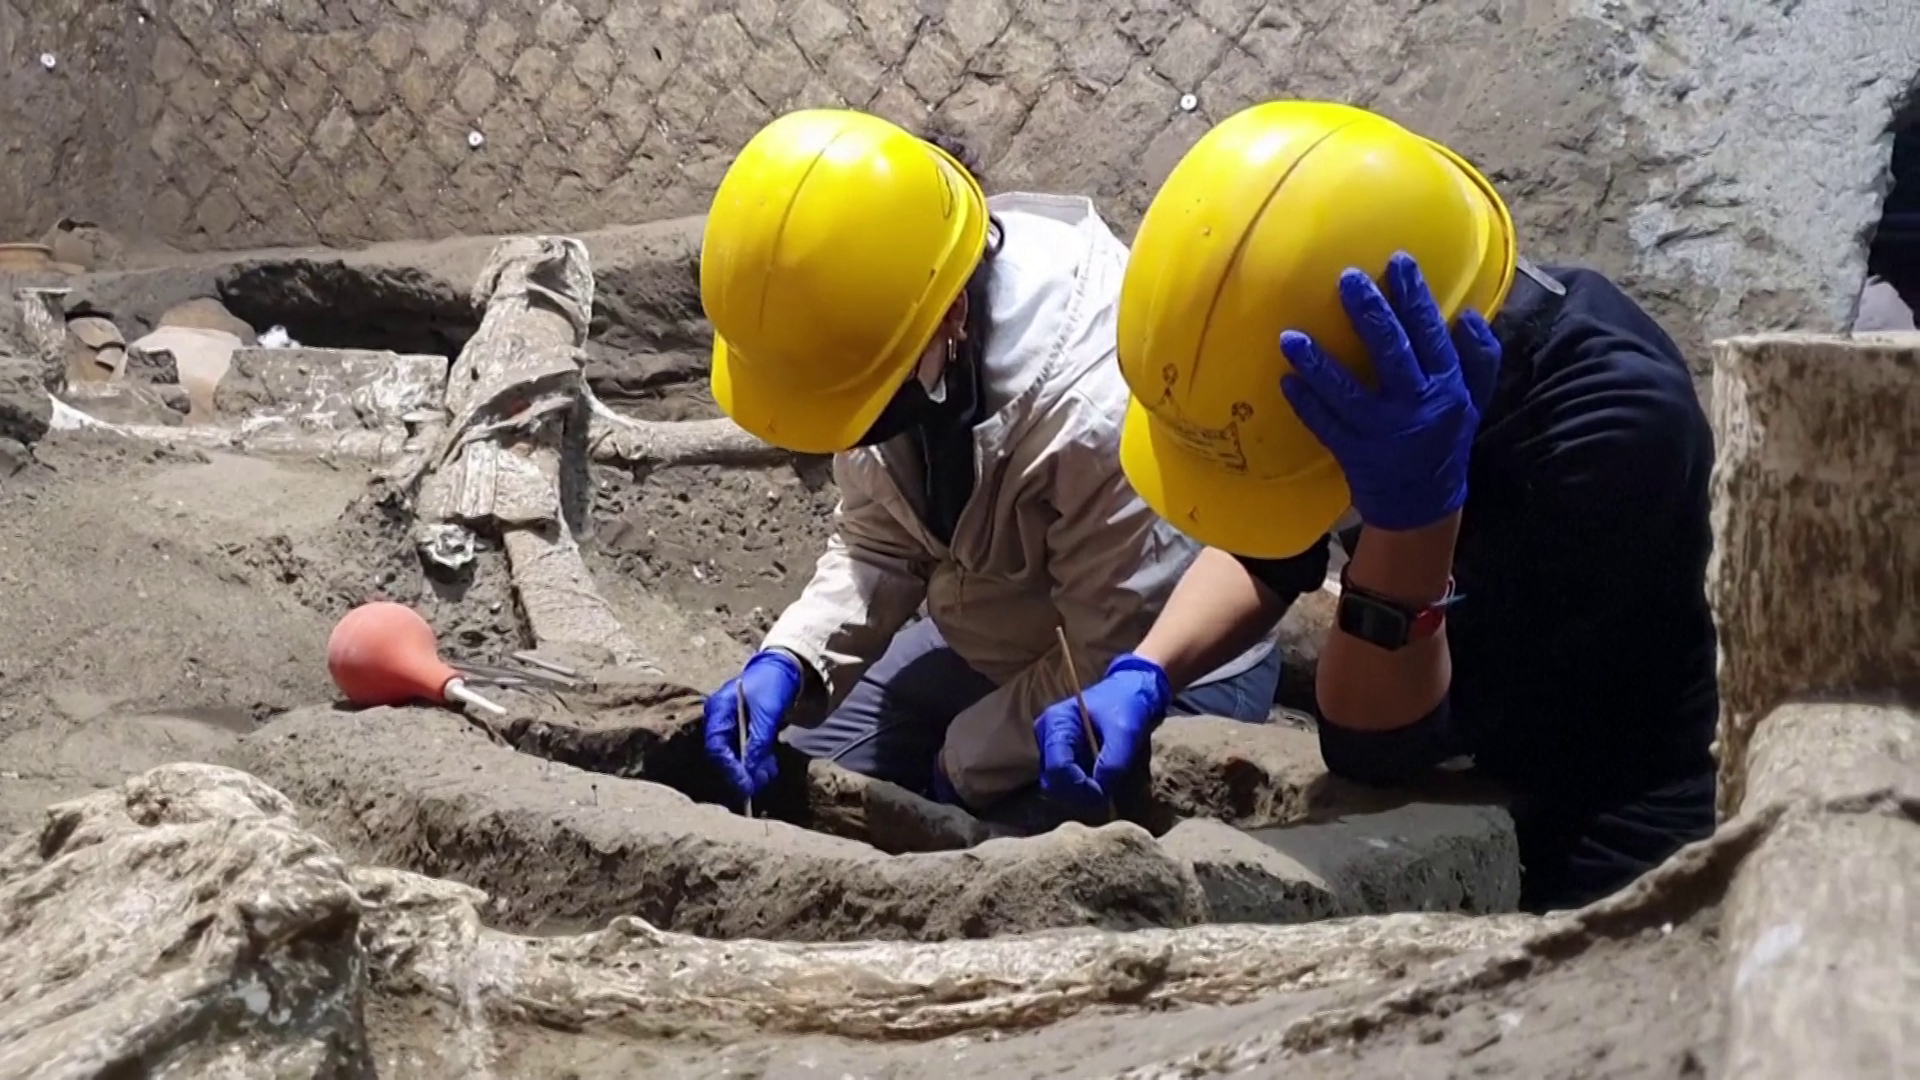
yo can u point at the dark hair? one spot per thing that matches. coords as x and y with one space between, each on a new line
978 323
957 149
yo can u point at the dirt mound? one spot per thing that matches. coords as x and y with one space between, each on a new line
125 599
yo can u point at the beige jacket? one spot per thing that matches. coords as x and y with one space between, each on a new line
1053 536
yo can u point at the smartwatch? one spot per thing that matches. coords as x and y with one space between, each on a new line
1389 624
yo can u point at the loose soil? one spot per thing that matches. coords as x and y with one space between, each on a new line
160 603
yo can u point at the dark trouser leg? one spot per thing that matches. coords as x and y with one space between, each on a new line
893 722
1247 696
1572 857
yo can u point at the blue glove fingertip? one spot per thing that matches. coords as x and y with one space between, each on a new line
1307 360
1403 277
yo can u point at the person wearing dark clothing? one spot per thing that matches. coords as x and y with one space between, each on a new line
1527 585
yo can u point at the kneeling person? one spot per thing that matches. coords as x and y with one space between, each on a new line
1528 582
956 356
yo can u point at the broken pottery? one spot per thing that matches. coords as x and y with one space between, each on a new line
99 351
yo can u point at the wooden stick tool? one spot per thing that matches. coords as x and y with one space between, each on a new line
1080 698
741 712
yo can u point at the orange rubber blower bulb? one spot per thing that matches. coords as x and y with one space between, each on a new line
384 653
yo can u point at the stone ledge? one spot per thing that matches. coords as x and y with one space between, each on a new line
425 790
428 791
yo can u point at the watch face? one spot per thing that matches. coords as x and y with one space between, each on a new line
1372 622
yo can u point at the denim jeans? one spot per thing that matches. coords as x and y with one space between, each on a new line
892 724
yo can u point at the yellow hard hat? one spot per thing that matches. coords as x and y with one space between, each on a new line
836 244
1247 238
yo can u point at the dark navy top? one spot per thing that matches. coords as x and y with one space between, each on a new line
1583 647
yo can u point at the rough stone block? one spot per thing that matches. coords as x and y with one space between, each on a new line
1415 857
555 846
1246 880
1815 574
25 408
331 389
1251 775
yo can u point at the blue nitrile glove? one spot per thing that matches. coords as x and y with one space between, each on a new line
1126 705
770 683
1404 448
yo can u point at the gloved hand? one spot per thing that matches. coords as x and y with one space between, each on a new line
770 683
1404 449
1126 705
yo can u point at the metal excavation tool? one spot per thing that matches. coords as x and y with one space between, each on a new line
528 670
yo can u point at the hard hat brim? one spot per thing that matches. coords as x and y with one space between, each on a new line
1236 512
808 421
813 423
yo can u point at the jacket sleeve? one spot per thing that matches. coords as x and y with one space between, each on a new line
1112 563
866 586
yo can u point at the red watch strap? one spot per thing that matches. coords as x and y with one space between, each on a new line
1428 620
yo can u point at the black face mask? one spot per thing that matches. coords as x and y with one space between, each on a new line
912 407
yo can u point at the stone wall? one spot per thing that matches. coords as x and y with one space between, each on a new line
1732 193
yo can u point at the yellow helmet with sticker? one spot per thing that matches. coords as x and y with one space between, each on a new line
1247 238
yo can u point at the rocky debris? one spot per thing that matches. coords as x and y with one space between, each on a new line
1339 849
255 946
15 458
42 331
25 408
1814 495
98 350
308 390
83 245
537 833
197 359
1418 856
651 730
